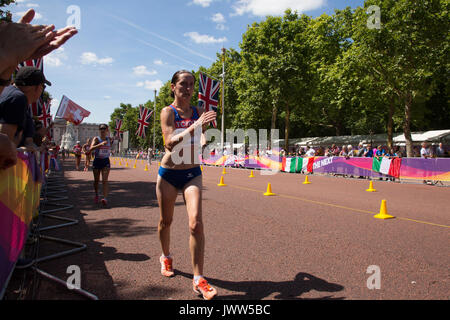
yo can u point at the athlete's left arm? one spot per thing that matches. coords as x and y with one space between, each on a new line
96 146
205 126
203 141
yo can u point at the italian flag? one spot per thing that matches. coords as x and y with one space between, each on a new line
292 164
387 166
310 164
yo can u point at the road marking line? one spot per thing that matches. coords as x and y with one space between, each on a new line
332 205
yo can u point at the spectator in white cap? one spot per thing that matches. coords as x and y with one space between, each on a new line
351 152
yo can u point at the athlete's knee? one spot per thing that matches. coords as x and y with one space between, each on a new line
165 223
196 227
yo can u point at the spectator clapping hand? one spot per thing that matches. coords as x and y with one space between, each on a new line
59 37
21 41
8 155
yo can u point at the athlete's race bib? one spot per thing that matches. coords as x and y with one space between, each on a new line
103 153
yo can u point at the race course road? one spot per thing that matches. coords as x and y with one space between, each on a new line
313 241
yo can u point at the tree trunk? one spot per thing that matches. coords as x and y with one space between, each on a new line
337 127
286 129
390 124
274 121
407 124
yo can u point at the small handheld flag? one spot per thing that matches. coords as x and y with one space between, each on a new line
144 120
72 112
118 128
208 94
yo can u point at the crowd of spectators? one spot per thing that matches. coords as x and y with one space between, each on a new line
20 41
367 150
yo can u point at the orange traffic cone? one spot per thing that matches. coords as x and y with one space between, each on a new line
224 171
371 189
251 174
269 190
221 184
306 181
383 212
146 167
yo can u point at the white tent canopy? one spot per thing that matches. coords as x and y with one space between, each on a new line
433 137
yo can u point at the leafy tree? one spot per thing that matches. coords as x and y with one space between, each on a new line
394 54
5 15
333 74
274 52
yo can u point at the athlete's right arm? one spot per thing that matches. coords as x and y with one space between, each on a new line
168 127
94 144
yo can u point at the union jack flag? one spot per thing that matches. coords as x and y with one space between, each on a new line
118 128
38 63
208 94
45 117
36 108
144 120
50 132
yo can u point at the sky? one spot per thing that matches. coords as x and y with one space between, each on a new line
124 50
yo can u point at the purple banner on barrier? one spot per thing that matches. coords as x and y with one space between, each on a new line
342 165
410 168
418 168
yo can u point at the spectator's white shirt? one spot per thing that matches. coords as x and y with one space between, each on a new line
310 153
425 152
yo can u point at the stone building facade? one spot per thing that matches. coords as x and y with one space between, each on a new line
81 132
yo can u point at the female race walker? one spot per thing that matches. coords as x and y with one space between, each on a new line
101 147
178 123
87 154
77 151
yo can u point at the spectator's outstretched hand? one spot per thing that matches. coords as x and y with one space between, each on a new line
19 41
28 16
8 154
60 37
22 41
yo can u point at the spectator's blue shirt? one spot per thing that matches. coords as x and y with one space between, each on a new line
380 153
369 154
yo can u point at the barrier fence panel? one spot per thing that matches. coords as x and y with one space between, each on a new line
437 169
20 188
25 197
427 169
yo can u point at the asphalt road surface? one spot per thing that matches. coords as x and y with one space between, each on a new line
316 241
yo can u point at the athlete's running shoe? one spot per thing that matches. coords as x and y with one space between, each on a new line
204 288
166 266
104 202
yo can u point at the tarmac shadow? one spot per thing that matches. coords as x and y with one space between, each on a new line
287 290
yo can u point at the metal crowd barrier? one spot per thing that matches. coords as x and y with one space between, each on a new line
50 202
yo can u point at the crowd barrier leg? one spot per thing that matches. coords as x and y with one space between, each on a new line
63 283
54 186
